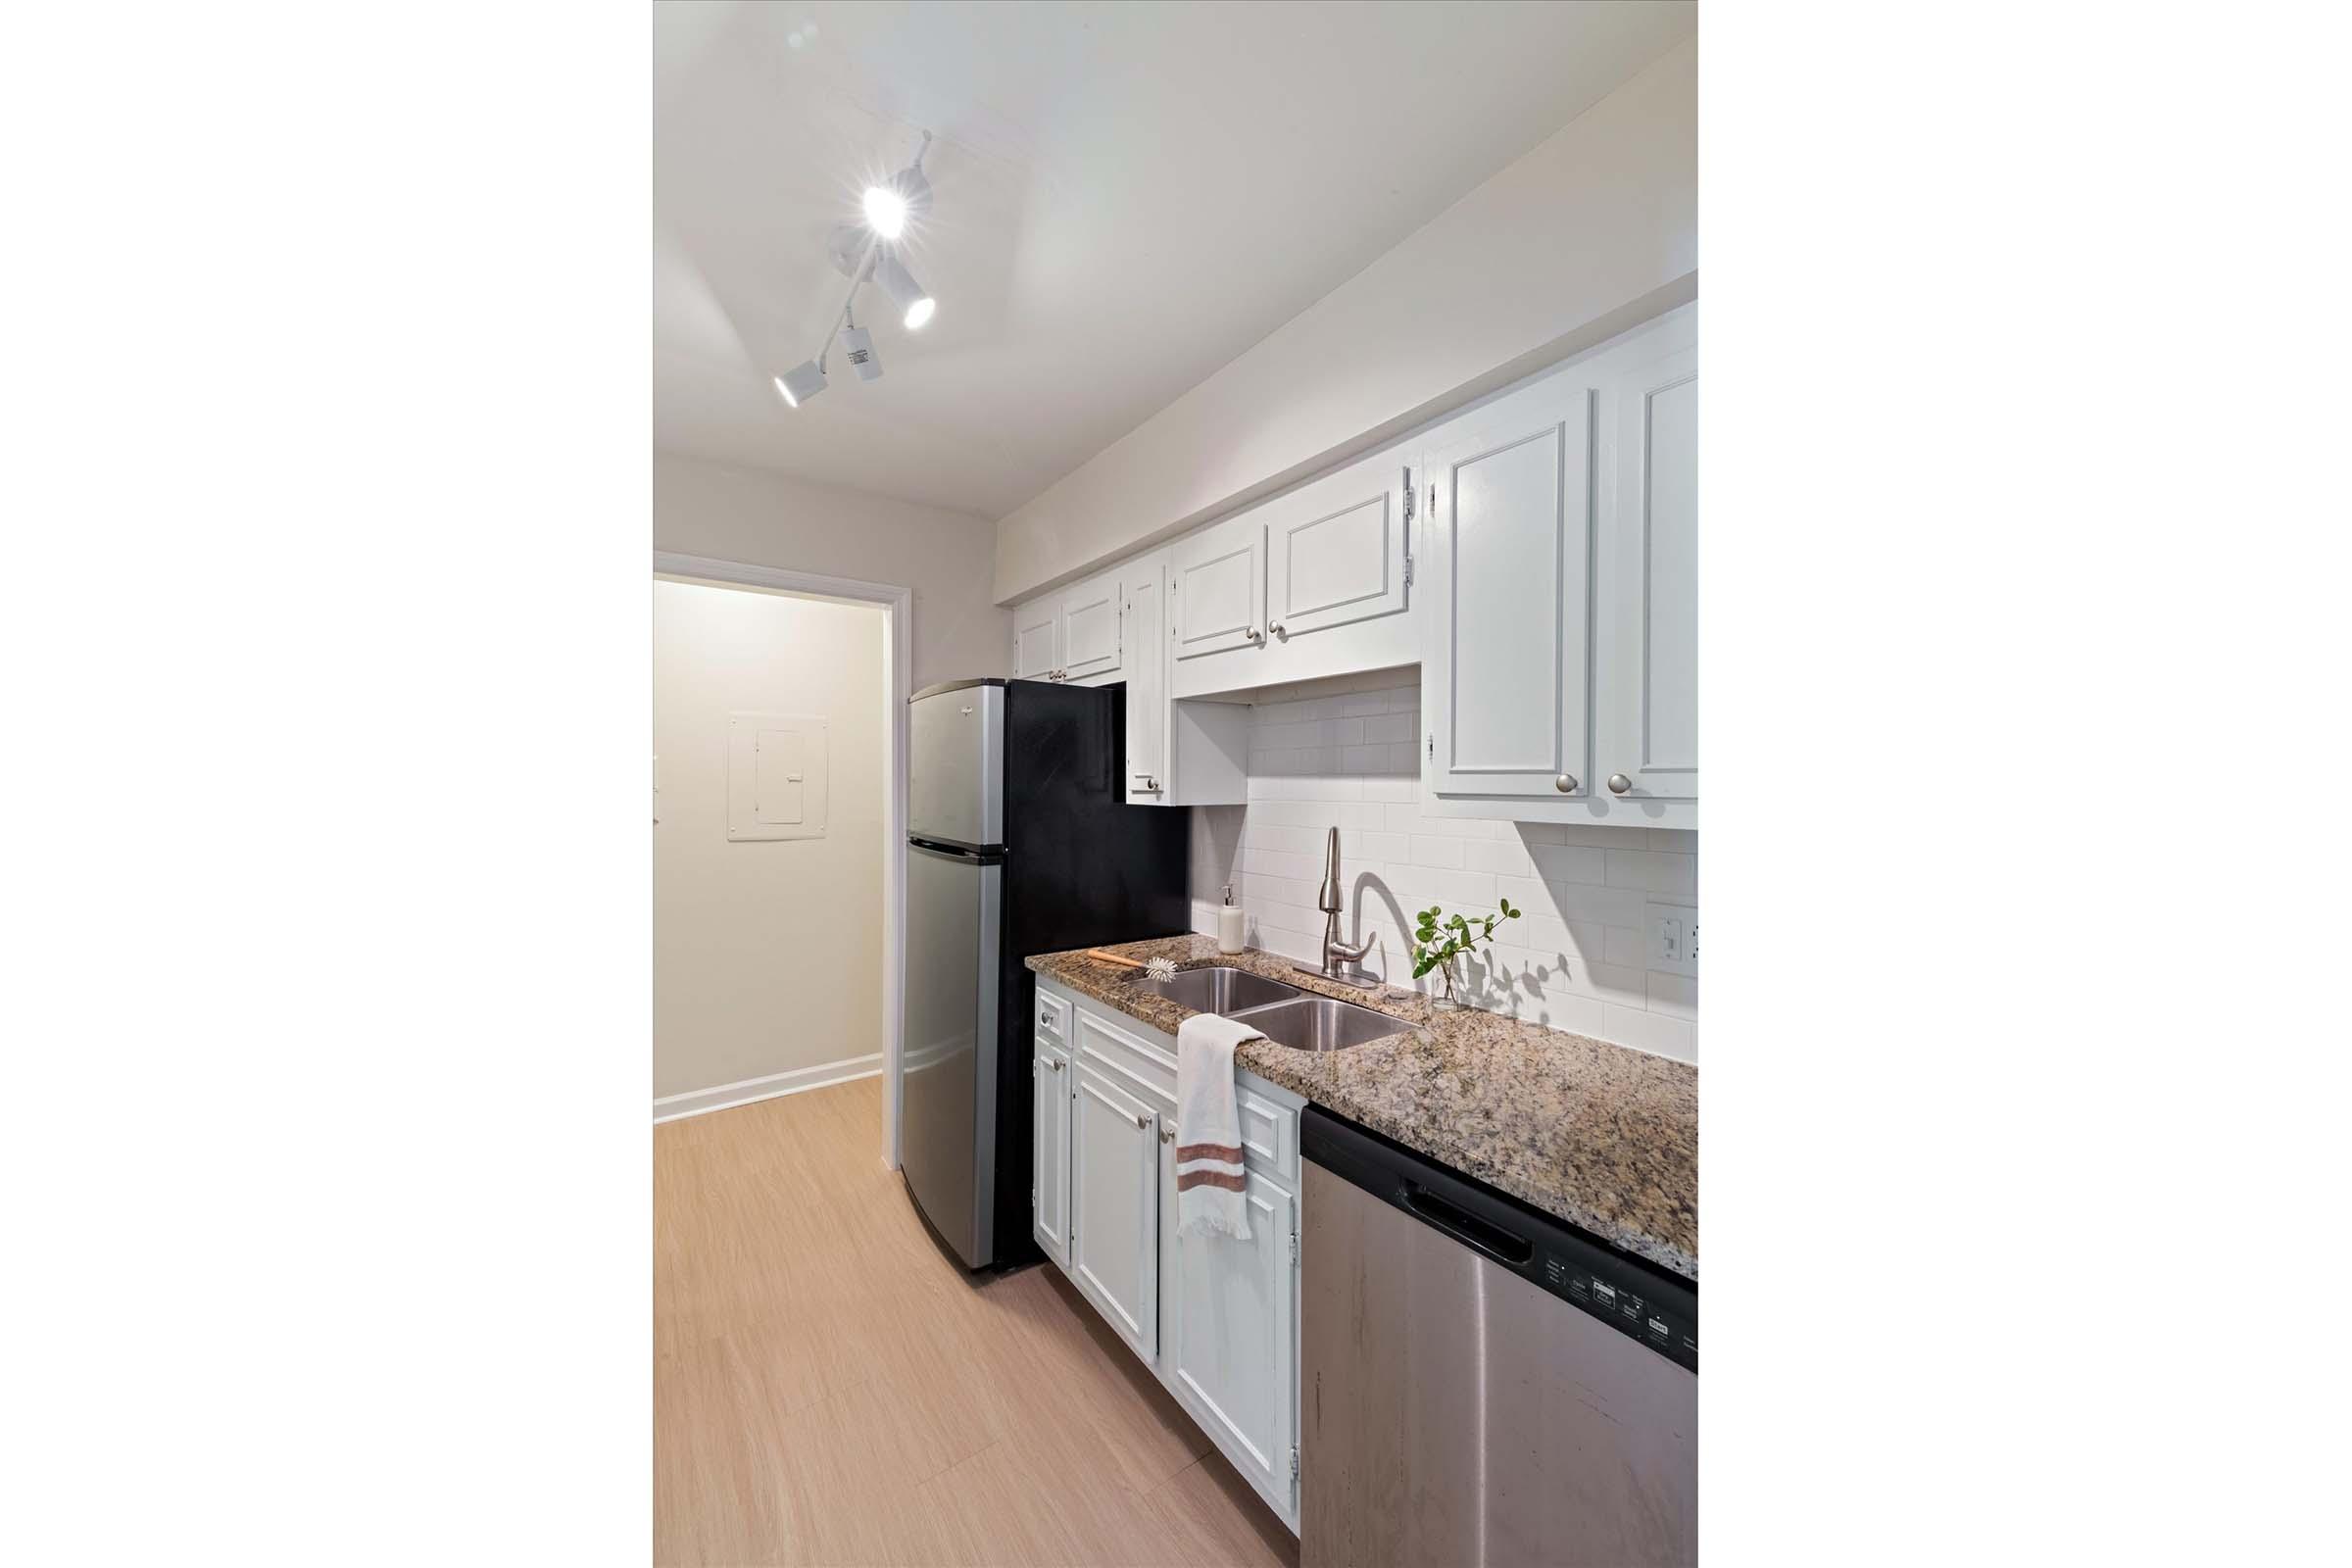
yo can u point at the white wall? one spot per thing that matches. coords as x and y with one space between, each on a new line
749 515
1573 960
1594 230
767 956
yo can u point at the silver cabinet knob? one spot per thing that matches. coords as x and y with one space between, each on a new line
1619 783
1256 635
1565 783
1143 1124
1167 1135
1054 1064
1278 631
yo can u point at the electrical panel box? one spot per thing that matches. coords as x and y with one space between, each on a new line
776 777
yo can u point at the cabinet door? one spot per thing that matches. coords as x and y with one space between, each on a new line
1142 598
1050 1196
1336 550
1037 638
1220 591
1507 543
1090 628
1114 1209
1231 1327
1646 715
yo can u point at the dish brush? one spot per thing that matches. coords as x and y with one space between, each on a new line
1160 968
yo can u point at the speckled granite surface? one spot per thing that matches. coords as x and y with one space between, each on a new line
1603 1136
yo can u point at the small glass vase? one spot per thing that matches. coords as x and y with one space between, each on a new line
1444 1001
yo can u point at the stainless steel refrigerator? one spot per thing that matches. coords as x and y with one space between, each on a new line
1018 841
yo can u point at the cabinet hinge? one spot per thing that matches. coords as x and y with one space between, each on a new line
1409 527
1293 1461
1293 1247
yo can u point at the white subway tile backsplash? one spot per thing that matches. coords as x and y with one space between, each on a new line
1578 957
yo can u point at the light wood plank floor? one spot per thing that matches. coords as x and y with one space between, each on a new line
830 1387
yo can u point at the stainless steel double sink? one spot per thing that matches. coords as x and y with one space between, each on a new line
1284 1014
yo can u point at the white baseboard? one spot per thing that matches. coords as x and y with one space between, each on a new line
696 1102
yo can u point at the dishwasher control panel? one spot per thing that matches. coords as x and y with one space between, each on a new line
1633 1306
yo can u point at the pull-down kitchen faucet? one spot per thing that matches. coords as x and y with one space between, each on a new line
1336 952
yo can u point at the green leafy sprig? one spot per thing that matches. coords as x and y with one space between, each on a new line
1437 940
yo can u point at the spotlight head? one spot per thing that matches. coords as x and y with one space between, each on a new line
801 382
858 344
915 304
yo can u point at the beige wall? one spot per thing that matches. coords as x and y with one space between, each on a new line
767 956
746 515
1593 232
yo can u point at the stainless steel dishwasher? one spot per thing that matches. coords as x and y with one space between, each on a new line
1481 1383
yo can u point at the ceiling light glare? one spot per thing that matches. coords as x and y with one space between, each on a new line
916 306
858 344
801 382
885 211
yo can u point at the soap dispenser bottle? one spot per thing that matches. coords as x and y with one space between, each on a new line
1229 924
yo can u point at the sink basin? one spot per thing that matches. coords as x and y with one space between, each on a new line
1320 1023
1221 989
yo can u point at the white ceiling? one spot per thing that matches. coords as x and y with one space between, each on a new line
1126 197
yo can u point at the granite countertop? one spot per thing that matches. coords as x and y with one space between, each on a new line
1601 1135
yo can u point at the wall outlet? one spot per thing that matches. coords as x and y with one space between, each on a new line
1673 939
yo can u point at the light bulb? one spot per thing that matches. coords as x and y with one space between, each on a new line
920 312
885 211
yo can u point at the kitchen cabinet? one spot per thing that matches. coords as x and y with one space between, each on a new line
1337 551
1559 566
1504 687
1091 642
1050 1188
1217 604
1645 628
1114 1205
1230 1328
1037 639
1178 752
1215 1319
1315 582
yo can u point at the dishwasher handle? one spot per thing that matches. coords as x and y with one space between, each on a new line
1504 1247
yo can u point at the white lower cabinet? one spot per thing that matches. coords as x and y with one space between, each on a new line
1215 1319
1050 1182
1114 1207
1228 1331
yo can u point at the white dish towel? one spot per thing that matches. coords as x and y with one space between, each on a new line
1209 1129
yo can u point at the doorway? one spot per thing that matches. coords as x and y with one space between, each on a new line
778 835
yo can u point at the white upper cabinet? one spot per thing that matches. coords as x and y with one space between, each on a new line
1089 629
1217 605
1037 639
1142 596
1646 716
1336 549
1508 538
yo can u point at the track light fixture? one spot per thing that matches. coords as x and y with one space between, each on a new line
866 251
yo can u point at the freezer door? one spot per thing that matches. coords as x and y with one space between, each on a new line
948 1068
956 765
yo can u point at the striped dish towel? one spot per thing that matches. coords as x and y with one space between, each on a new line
1209 1129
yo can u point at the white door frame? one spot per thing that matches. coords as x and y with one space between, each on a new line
898 604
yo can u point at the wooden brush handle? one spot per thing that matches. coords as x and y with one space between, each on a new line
1112 957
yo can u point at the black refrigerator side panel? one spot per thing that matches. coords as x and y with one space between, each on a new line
1082 868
